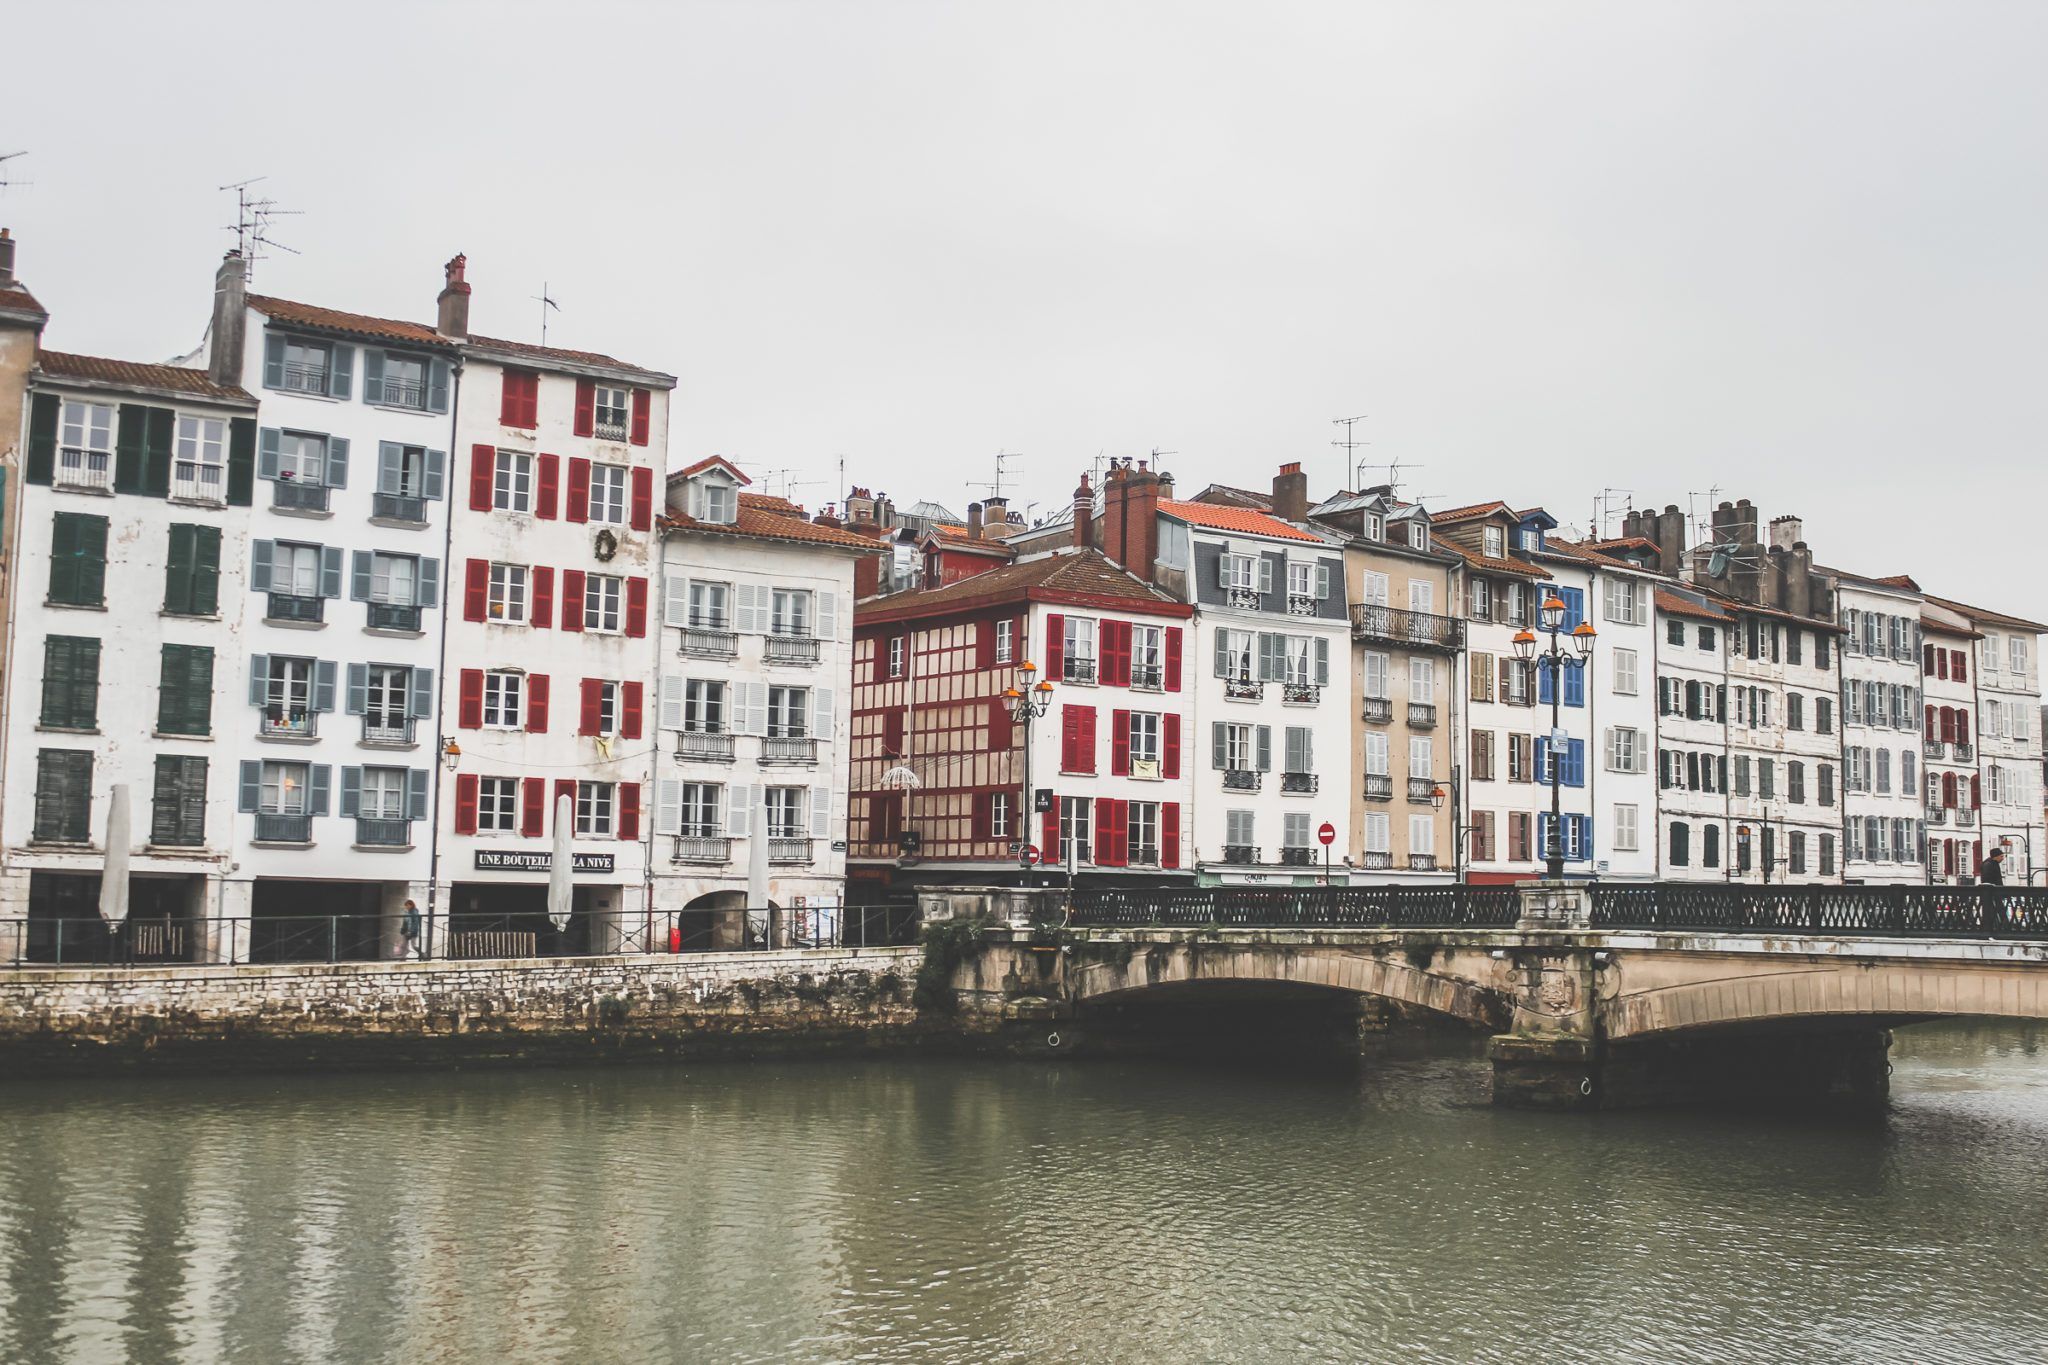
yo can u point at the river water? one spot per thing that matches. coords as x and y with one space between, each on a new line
943 1209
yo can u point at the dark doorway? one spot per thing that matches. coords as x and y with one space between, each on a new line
293 921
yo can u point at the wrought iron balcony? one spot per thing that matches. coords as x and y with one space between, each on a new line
1300 694
1965 753
387 729
1422 862
1150 677
1245 599
1376 860
1298 857
705 746
1933 748
274 828
193 482
80 468
792 649
289 722
1395 625
1965 818
1937 815
1421 788
305 378
402 393
789 749
788 851
1298 784
382 832
294 495
702 848
1077 670
608 431
1241 779
289 607
1422 715
1299 605
1144 855
710 642
398 507
1242 689
1242 854
1379 710
1379 787
394 616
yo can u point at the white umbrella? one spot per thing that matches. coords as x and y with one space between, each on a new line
114 876
563 865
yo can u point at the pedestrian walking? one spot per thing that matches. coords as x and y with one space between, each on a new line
409 931
1992 872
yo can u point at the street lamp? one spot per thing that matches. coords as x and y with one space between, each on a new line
1028 703
1551 616
1458 831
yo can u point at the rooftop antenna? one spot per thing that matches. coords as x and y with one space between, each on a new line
1394 467
252 224
546 303
6 157
1603 508
1157 453
1349 445
995 485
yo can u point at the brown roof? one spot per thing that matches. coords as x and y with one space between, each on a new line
1488 562
762 524
354 324
1228 496
542 354
1684 606
176 378
1080 574
706 463
1571 550
768 502
1477 509
1983 617
1623 543
15 299
1240 519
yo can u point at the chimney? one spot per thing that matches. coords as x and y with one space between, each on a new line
1130 518
885 512
1084 512
974 521
6 258
1786 532
454 301
1670 538
995 511
230 321
1290 493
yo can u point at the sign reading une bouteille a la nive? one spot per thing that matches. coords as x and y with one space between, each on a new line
537 860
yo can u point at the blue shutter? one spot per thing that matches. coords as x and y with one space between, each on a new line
436 474
359 575
269 442
341 371
316 789
323 684
428 582
259 680
337 462
351 792
437 386
1545 675
415 793
422 692
330 571
358 699
390 466
250 795
1575 764
1574 686
273 363
259 566
373 375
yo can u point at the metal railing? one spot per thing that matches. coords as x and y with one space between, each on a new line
305 378
275 828
383 832
79 468
1300 694
1242 689
387 729
1376 860
702 848
710 746
294 495
788 851
792 649
398 507
1965 817
1333 907
1243 854
402 393
1421 788
608 431
1422 862
1077 670
1933 748
1149 677
1302 856
1937 815
298 723
1301 605
1877 911
789 749
1241 779
288 607
1299 784
1396 625
1377 710
1379 786
1422 715
394 616
706 642
1244 599
1965 752
192 482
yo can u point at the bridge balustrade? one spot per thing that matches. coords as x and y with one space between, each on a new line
1876 911
1300 907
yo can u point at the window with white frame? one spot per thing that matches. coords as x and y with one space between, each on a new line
288 694
1076 813
1234 655
1377 667
1621 601
295 570
1239 754
2016 653
1421 756
1077 653
497 805
594 809
1238 572
1421 680
282 789
702 813
1496 542
608 709
1626 751
896 653
1625 828
710 605
611 410
1144 831
306 365
202 458
601 594
789 712
381 795
512 484
85 443
1377 761
405 381
394 579
1148 656
301 458
1006 641
608 493
718 502
786 812
790 611
387 701
1144 737
999 815
504 699
1375 526
703 706
1624 672
1301 579
507 599
1300 660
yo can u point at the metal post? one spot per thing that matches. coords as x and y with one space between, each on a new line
1554 853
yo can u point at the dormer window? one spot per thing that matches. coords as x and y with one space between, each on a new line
1496 542
1418 534
718 502
1375 526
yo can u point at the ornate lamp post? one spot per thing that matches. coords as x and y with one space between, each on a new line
1559 659
1458 831
1028 703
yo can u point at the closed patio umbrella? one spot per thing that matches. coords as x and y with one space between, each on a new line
562 866
114 876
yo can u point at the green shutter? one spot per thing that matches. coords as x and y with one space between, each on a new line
42 438
71 682
156 460
63 802
206 570
178 570
242 461
185 693
178 817
78 559
131 436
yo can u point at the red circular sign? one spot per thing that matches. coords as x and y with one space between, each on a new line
1328 833
1029 853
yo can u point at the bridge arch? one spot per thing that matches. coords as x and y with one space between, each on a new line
1875 991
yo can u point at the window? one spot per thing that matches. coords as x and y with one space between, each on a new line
1294 830
1077 650
85 445
1237 572
717 503
1625 750
202 459
1238 753
394 579
1377 760
1375 526
1496 542
790 612
1625 672
1239 829
1710 846
710 606
504 694
301 459
1144 831
1680 850
497 805
294 570
1621 599
192 571
1674 633
896 651
1148 656
785 812
701 810
789 712
508 594
1234 656
1707 642
1479 599
604 703
594 809
1625 828
1299 660
63 796
601 594
1482 755
1301 579
71 682
608 493
1074 827
78 560
306 365
1376 670
288 696
1006 640
1421 757
1144 737
1795 711
1766 778
404 383
1824 715
1795 782
1300 749
177 817
381 795
999 815
611 410
1796 853
512 485
2016 653
704 706
387 704
282 790
1421 680
185 691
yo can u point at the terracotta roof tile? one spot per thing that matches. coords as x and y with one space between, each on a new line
1477 509
1675 605
1623 543
1243 520
353 324
765 525
1983 617
1084 573
15 299
176 378
550 353
768 502
707 462
1488 562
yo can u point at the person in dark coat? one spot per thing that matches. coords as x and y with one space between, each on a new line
1992 872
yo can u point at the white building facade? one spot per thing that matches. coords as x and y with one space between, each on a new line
2009 741
1692 736
1884 835
1948 744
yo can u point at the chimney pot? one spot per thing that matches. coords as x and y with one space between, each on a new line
453 303
974 521
1084 512
6 257
1290 493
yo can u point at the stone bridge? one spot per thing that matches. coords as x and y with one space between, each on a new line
1594 997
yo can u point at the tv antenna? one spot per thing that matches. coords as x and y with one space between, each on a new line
6 157
1394 468
1603 508
995 485
252 224
546 303
1350 445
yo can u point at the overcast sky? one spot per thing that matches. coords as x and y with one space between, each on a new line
1795 252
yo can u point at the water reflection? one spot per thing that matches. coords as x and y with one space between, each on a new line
934 1210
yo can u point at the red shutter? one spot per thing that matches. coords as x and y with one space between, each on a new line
1049 832
587 721
892 733
1169 834
1112 841
643 499
577 504
1070 739
1055 644
465 803
643 401
629 810
985 645
469 714
978 821
1173 658
1932 732
533 807
572 599
632 710
566 786
636 607
1001 726
476 591
1962 726
542 613
1116 653
1120 743
508 398
1087 739
1169 745
1976 792
586 407
483 467
547 485
1961 670
537 703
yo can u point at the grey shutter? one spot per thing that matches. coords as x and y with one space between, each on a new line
1265 763
427 582
1219 745
821 714
341 371
825 614
390 466
357 700
317 785
351 792
323 684
1272 656
670 702
434 482
1323 579
259 565
259 680
422 703
330 571
1222 654
1297 749
437 386
250 796
373 375
273 362
415 793
1322 663
739 809
337 462
269 443
359 575
668 806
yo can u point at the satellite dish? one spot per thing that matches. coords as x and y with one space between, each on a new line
1717 563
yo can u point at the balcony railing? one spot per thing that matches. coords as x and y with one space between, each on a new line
792 649
704 746
402 393
710 642
1075 670
702 848
292 495
305 378
1422 862
1299 605
788 851
1378 709
1241 854
1241 779
1933 748
1422 715
387 729
1300 694
1297 857
1241 689
1937 815
274 828
394 616
78 468
1376 860
383 832
1379 787
789 749
1421 788
1148 676
398 507
192 482
288 607
1298 784
1245 599
1965 753
1395 625
1965 818
289 723
608 431
1144 855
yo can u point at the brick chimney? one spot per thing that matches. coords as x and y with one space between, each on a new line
1290 493
1084 513
974 521
454 301
6 258
229 333
1130 518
